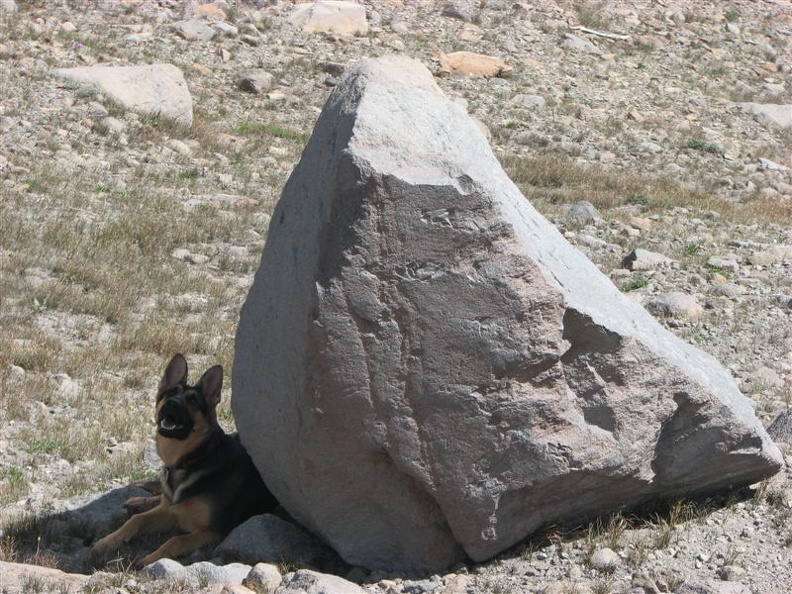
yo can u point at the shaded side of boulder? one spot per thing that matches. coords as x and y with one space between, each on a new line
426 369
156 90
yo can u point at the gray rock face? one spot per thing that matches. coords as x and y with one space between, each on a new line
157 90
426 369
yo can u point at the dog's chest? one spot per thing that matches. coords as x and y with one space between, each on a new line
175 482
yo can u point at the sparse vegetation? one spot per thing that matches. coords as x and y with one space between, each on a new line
707 147
635 284
271 129
731 15
692 249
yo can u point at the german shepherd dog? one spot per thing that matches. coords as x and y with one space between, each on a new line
209 483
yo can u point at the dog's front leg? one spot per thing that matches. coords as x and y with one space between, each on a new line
158 519
137 505
181 545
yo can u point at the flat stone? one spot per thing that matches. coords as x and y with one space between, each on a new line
464 62
330 16
776 114
157 90
194 30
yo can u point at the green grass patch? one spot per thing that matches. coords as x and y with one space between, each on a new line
634 284
706 147
249 128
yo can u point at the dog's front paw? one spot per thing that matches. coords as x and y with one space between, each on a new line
105 545
149 559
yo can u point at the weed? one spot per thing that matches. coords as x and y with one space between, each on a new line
707 147
638 550
498 584
249 128
731 15
602 585
33 584
715 269
191 173
635 284
636 199
691 249
733 556
12 485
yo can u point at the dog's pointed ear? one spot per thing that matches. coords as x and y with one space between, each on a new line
211 384
175 373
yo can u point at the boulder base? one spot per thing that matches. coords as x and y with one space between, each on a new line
427 370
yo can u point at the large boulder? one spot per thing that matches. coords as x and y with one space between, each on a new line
425 369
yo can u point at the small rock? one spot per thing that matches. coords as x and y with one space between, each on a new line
226 29
237 589
530 100
193 30
726 264
213 10
781 427
676 305
263 577
579 45
335 69
165 569
472 63
731 573
206 572
769 165
641 259
305 581
255 81
582 213
604 559
764 377
457 10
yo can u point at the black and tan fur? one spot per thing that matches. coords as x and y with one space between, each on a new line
209 483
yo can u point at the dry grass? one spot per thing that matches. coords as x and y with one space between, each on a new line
554 180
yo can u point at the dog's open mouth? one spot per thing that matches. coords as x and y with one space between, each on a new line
168 423
174 420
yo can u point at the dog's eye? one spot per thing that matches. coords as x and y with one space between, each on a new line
192 399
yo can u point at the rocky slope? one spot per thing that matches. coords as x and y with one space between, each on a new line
124 238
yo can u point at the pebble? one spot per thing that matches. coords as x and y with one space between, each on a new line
605 559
